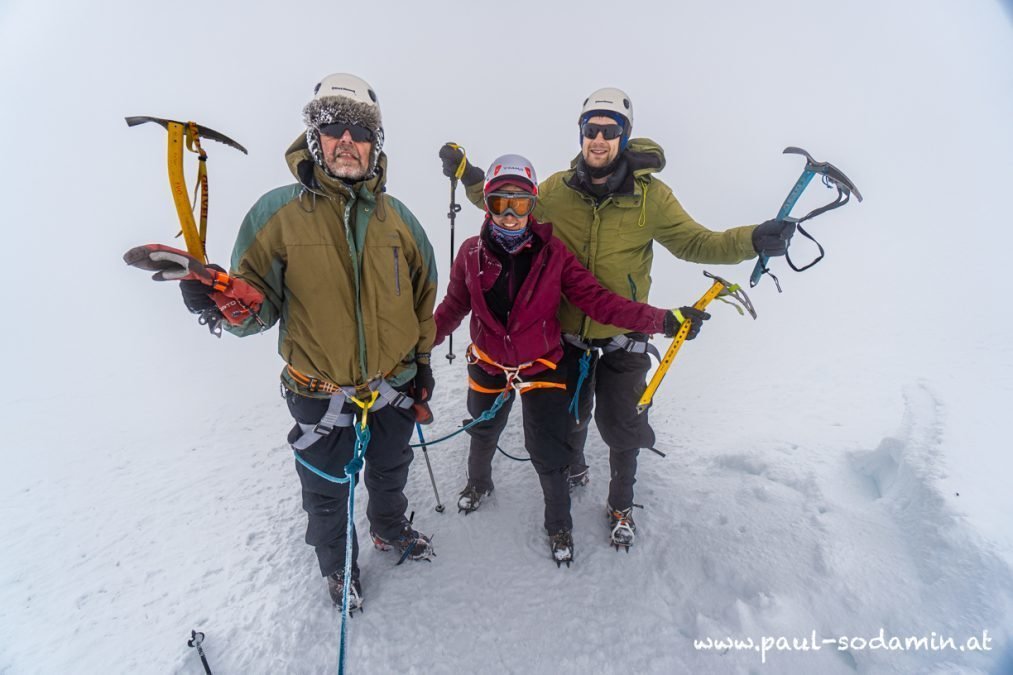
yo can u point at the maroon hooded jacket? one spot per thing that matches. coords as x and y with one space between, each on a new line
533 331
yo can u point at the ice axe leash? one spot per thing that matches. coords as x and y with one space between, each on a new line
832 178
455 208
189 134
720 289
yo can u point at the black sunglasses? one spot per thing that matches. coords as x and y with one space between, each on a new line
359 134
608 131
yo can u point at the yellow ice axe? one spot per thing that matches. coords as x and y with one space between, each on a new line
189 133
719 289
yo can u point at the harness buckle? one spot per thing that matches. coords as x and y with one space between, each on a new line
323 429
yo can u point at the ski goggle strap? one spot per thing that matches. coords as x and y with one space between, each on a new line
518 204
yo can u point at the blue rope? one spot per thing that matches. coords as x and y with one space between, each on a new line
354 466
362 435
484 417
585 368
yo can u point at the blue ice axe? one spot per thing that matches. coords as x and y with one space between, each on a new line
832 177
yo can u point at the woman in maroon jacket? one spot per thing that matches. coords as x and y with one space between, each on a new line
511 278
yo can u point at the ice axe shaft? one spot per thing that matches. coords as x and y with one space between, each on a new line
720 288
188 133
832 177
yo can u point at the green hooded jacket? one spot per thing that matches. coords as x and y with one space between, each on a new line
613 236
346 269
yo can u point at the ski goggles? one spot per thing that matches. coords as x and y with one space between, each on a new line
359 134
517 204
608 131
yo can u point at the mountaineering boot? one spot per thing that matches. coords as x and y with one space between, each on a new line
561 544
471 498
579 479
621 527
335 584
410 544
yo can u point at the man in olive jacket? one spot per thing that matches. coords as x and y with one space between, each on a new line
609 208
348 273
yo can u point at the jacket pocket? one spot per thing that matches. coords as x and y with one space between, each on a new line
397 271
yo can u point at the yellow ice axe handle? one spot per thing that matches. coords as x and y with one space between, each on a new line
180 196
673 349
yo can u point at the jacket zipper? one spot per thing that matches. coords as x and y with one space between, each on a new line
397 272
633 287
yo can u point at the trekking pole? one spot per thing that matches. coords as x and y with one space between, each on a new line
195 641
425 453
455 208
719 289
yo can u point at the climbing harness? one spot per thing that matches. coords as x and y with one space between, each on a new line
589 347
512 374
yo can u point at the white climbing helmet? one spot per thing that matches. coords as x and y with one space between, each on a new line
608 100
343 97
348 86
511 169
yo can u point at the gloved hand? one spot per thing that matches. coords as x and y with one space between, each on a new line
422 385
771 238
197 294
452 157
674 319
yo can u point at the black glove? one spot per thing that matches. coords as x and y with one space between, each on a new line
422 385
771 237
197 294
695 316
452 157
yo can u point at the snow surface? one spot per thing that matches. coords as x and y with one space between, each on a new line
839 466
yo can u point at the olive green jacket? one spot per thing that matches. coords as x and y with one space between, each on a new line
613 236
347 271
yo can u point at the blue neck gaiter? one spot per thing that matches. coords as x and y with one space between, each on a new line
511 240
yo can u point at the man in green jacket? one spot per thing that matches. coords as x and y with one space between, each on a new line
609 208
348 273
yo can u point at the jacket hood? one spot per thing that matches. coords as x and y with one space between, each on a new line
643 156
330 109
313 177
634 165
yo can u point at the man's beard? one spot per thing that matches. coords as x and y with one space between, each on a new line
349 169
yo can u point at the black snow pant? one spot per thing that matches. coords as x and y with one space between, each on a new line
545 430
617 380
385 473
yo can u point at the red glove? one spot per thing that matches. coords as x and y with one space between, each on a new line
235 298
